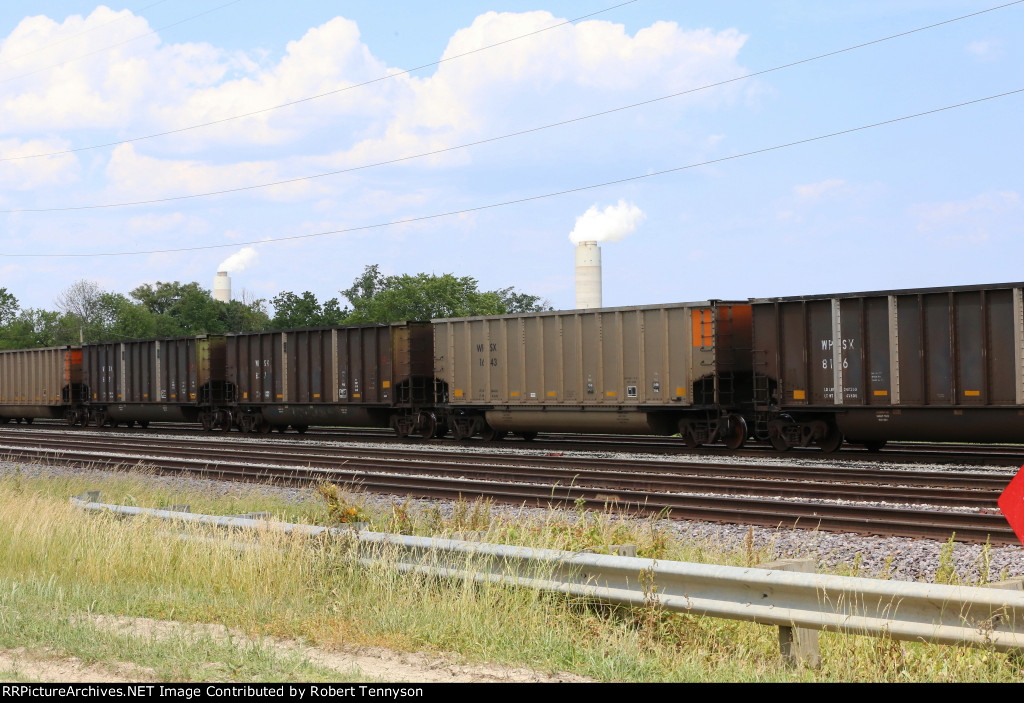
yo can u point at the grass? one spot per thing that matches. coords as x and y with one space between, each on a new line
61 569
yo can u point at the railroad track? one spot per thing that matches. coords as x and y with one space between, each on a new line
863 500
1004 455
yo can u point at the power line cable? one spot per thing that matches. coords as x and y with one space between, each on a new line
522 200
114 46
78 34
321 95
531 130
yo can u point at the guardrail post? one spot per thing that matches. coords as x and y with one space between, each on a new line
798 645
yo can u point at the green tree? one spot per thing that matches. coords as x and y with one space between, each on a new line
188 308
378 298
34 328
291 311
123 319
8 307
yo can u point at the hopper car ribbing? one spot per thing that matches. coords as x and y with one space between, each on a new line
921 364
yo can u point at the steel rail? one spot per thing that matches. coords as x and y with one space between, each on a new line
708 480
873 520
988 480
895 452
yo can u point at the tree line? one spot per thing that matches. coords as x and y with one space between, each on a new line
87 313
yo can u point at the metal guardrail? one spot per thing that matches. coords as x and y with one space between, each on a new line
953 615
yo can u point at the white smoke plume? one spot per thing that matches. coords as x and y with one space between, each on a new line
608 225
241 259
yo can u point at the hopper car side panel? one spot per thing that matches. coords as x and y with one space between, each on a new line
354 376
649 370
928 364
39 383
172 380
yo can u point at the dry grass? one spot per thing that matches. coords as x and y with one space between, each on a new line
57 563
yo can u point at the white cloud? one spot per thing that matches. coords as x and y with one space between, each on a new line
170 222
29 174
559 74
134 175
969 221
813 191
148 85
985 50
941 214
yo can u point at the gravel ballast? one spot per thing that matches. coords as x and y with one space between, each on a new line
892 557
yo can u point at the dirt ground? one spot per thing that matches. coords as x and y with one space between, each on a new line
363 662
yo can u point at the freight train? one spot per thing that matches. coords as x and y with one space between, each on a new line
924 364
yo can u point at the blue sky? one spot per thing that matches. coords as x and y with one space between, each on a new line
933 201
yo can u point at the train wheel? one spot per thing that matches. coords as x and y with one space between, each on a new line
28 420
4 420
832 440
281 429
736 432
301 429
489 434
527 436
70 417
874 445
425 427
263 427
143 424
224 420
689 439
207 421
441 431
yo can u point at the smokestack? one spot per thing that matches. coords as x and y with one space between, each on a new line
222 287
588 275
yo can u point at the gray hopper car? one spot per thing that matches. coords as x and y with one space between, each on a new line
39 383
937 364
643 370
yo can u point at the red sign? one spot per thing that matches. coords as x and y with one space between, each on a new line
1011 502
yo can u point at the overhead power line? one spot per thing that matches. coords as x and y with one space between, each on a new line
489 140
114 46
517 201
314 97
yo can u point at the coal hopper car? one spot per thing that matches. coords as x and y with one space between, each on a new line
39 383
679 368
378 375
164 380
933 364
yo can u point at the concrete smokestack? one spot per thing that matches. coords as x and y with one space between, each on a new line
222 287
588 275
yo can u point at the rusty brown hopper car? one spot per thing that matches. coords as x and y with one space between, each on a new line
930 364
39 383
354 376
641 370
173 380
